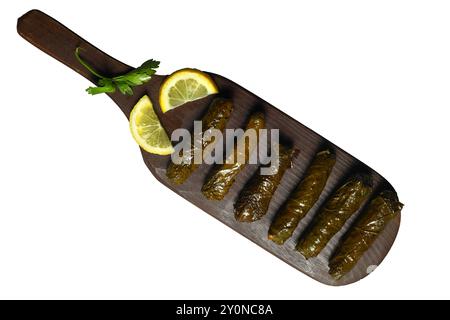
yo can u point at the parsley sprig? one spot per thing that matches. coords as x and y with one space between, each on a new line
124 82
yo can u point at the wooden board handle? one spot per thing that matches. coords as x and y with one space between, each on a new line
58 41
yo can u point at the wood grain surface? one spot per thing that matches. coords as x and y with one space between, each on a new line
59 42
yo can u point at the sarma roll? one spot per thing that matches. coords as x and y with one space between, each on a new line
303 198
338 209
254 199
373 220
222 177
215 118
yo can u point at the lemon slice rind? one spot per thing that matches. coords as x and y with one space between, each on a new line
183 86
147 130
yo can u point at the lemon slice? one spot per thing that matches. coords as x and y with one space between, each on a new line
183 86
147 129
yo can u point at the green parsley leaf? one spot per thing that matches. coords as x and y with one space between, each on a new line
124 82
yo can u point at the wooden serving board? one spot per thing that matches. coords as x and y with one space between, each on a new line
59 42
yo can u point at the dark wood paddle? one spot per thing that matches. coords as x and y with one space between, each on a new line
59 42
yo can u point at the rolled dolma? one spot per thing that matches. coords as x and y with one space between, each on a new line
380 211
254 199
222 177
215 118
338 209
303 198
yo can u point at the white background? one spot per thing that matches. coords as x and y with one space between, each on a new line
81 216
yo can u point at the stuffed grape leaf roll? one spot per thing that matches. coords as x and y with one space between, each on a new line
303 198
254 200
222 177
338 209
215 118
382 209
